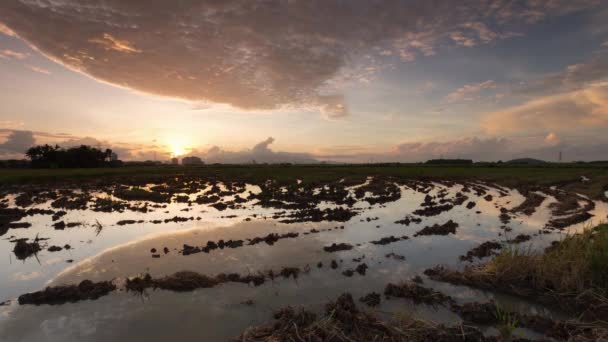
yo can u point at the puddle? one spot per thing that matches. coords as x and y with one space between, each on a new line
219 313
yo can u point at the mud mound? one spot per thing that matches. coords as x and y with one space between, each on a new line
439 229
185 281
24 249
336 247
484 250
68 294
416 293
342 322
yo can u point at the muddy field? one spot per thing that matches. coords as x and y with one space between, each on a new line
181 257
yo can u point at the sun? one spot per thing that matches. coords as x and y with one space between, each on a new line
177 148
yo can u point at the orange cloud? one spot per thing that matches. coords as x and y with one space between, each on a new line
111 43
587 107
6 31
38 69
14 54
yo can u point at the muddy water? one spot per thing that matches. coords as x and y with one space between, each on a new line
219 313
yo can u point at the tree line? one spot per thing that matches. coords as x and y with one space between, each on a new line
47 156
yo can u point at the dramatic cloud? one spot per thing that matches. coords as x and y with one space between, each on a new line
257 54
17 142
569 111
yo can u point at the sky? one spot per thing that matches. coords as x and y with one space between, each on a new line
302 81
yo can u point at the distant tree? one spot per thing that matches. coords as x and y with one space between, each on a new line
46 156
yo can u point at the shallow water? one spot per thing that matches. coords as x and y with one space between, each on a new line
217 314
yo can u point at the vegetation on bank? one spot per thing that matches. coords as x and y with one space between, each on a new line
572 273
47 156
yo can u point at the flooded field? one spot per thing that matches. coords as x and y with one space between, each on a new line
194 258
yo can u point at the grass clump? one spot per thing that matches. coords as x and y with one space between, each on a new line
572 272
576 264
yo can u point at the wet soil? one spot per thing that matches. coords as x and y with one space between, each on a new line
439 229
86 290
486 249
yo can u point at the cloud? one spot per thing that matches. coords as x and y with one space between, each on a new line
470 92
260 153
38 69
255 55
468 148
573 77
17 142
14 54
563 112
111 43
552 139
6 31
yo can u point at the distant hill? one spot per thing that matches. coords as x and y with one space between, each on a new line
527 161
449 161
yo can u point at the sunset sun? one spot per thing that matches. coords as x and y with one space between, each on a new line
177 148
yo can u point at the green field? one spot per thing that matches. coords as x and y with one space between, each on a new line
567 176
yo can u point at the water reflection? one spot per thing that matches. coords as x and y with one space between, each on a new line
219 313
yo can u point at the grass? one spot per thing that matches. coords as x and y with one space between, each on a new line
567 176
572 274
578 263
507 322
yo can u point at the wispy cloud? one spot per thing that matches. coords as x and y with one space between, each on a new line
111 43
37 69
14 54
470 92
567 111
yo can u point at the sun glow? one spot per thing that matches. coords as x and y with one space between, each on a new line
177 148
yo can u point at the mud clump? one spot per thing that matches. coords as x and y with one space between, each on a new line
486 249
529 205
409 220
318 215
416 293
361 268
336 247
561 223
185 281
395 256
54 249
59 225
24 249
439 229
125 222
86 290
342 321
371 299
433 210
520 238
389 239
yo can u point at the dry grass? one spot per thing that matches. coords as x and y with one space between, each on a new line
572 273
576 264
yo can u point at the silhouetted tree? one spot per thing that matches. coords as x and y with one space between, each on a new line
46 156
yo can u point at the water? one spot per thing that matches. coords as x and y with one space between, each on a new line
219 313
